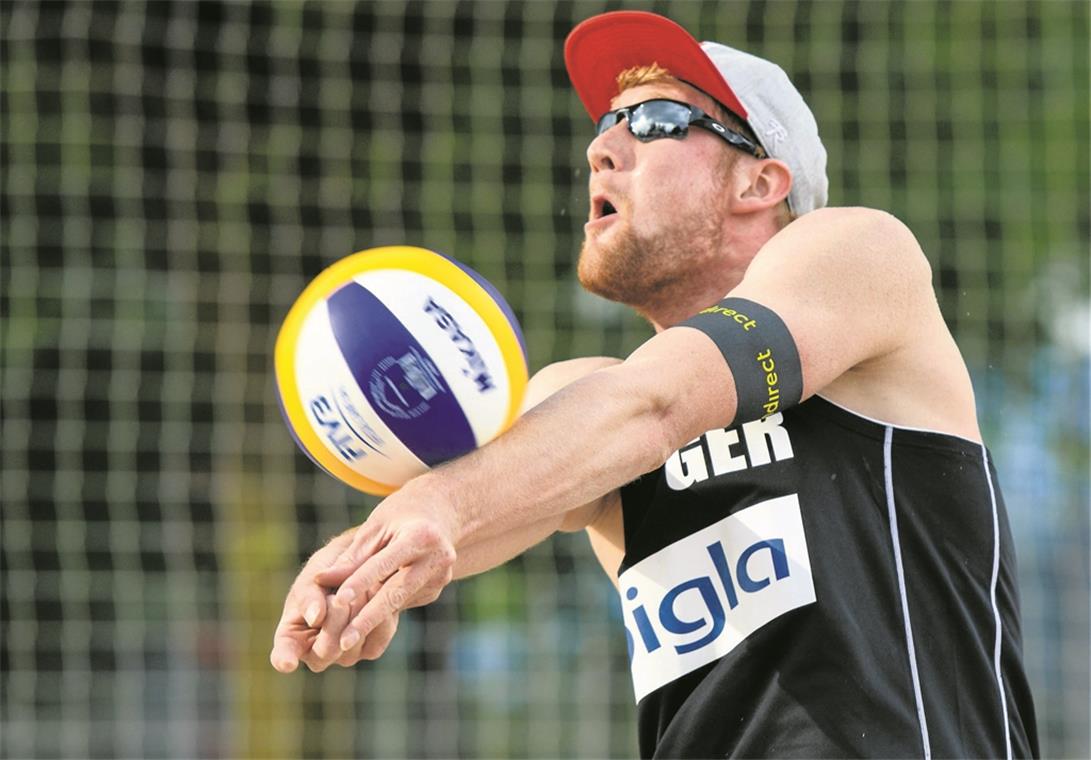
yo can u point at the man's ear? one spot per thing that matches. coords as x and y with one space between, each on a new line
766 183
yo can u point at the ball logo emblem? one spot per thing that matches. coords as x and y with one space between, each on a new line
401 387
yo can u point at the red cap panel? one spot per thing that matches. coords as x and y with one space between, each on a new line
603 46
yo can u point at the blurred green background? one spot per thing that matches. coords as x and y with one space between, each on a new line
175 173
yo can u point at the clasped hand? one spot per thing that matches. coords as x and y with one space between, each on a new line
343 606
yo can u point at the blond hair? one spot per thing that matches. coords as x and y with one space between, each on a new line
638 75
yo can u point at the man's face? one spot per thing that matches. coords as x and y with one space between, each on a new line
667 201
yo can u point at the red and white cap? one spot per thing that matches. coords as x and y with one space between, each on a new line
755 89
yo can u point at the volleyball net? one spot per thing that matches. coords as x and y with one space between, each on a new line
173 174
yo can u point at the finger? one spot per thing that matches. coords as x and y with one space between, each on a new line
391 599
323 559
351 657
327 644
373 646
285 656
325 556
291 642
309 601
363 545
293 635
304 609
382 565
431 590
378 640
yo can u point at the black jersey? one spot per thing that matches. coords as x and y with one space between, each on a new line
819 584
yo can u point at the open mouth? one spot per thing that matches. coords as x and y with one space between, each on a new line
601 208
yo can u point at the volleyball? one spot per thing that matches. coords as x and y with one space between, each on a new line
394 360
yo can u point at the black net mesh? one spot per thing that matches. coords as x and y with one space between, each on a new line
174 174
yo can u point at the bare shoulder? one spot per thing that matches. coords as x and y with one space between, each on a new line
873 242
851 215
846 281
841 268
852 219
855 288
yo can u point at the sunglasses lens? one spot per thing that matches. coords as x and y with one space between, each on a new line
659 118
649 120
655 119
609 119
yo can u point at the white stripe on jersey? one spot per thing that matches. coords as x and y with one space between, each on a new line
992 598
888 473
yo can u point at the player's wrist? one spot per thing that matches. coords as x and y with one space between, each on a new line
433 495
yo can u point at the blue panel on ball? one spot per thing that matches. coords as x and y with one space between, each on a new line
397 376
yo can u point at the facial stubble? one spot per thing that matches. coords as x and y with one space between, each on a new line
650 272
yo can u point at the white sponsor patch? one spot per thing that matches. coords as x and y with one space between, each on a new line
699 598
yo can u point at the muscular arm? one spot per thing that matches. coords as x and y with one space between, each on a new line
496 549
312 624
848 283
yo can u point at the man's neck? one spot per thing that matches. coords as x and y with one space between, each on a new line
702 295
708 287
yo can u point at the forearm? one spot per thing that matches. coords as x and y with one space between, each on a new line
486 553
590 438
492 552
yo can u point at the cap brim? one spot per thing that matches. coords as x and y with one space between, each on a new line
603 46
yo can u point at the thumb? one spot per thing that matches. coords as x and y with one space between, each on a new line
294 636
307 606
287 651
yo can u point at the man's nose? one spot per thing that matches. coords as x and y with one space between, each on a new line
609 150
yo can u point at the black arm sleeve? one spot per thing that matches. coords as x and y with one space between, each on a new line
760 353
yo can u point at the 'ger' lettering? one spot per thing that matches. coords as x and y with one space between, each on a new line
763 441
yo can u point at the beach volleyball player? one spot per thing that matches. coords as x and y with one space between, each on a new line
786 483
